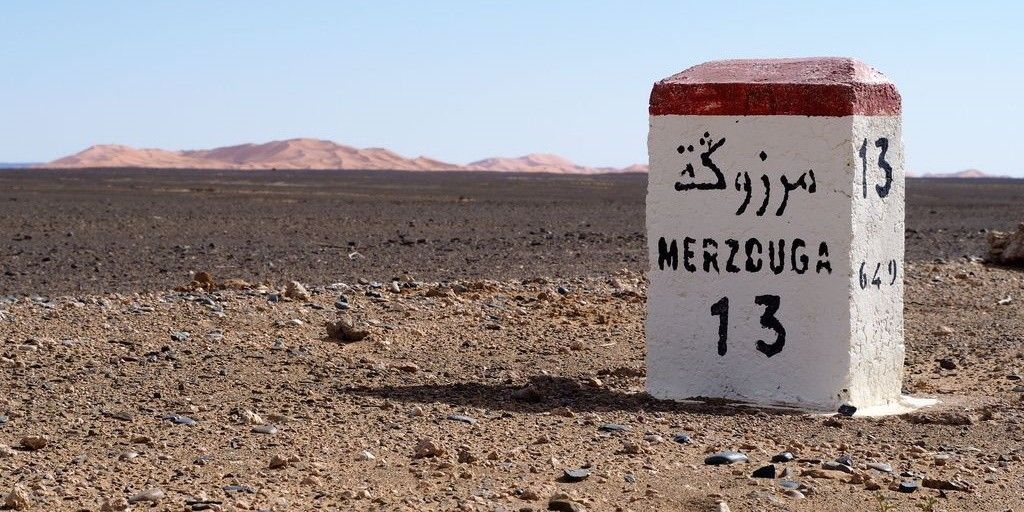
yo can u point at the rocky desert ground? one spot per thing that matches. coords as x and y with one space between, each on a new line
452 342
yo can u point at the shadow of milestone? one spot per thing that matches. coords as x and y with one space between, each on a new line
546 393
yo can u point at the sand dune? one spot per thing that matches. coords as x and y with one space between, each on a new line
113 155
539 162
967 173
310 154
284 154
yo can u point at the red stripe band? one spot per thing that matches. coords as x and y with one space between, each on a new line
796 87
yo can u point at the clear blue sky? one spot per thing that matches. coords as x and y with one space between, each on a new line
461 81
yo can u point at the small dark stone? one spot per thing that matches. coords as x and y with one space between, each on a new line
764 472
562 290
782 457
3 419
789 484
576 475
462 418
726 457
845 459
909 486
200 505
630 478
846 410
946 485
613 427
178 419
880 466
274 297
179 336
238 488
836 466
117 415
192 502
947 364
682 438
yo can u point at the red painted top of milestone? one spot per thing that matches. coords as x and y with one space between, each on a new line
816 86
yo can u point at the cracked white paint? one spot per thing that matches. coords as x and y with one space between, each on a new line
844 343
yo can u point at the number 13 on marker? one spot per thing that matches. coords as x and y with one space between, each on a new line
768 321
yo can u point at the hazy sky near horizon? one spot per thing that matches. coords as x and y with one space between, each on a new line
460 81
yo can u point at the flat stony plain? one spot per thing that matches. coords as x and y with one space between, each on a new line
474 396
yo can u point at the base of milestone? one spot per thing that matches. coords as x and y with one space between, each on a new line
904 404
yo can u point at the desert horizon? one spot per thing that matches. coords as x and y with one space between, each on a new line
312 154
540 256
319 154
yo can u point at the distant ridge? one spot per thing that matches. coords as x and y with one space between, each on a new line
18 165
966 173
316 154
283 154
545 163
309 154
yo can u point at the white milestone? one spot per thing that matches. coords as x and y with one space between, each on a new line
775 225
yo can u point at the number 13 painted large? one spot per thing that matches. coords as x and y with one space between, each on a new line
883 190
768 321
